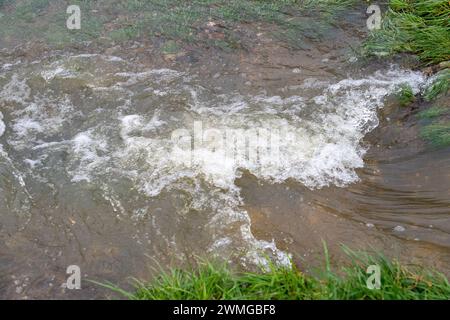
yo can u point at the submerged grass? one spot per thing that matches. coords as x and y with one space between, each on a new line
438 134
405 95
211 281
437 129
177 20
433 112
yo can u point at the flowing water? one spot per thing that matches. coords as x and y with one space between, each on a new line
113 165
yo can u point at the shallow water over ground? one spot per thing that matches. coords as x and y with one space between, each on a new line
116 166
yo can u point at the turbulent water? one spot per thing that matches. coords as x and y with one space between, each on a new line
90 135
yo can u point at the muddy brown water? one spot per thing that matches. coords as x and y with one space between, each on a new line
89 175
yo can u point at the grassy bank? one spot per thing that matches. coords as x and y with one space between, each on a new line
421 28
418 27
217 282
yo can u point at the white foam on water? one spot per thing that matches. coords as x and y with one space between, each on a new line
115 59
58 72
10 66
41 118
318 141
16 90
2 125
84 55
86 150
135 77
18 178
318 151
2 131
7 66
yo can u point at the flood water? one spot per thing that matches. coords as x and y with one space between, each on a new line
117 166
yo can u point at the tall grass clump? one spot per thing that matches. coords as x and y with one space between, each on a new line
439 85
405 95
211 281
420 27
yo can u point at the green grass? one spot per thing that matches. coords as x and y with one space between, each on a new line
433 112
28 20
177 20
170 47
439 86
438 134
211 281
405 95
420 27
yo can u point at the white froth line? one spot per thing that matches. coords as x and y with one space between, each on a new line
51 144
2 125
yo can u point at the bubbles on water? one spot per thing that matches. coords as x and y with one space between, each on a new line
16 90
86 150
2 125
113 128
